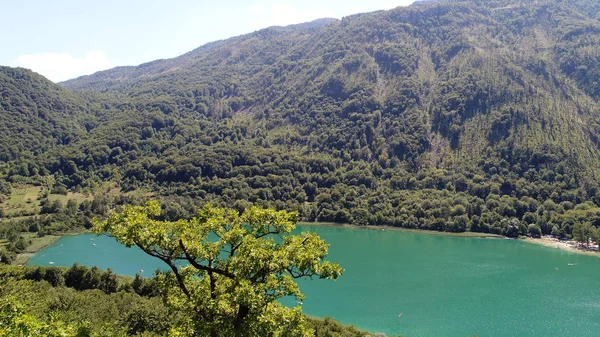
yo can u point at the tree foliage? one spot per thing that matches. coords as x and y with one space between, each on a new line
228 270
15 322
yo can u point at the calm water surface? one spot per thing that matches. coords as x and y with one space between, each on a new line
443 286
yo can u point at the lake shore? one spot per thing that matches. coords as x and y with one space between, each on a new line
570 246
39 243
547 241
402 229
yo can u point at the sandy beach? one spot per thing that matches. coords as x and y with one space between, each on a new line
570 246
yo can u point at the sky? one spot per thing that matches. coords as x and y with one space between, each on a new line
64 39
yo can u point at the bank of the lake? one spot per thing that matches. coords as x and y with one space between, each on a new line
443 286
546 241
570 246
402 229
39 243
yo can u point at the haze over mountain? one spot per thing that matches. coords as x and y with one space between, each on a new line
447 115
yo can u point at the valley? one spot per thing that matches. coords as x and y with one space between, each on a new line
477 120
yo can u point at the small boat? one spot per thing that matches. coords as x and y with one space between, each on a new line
51 262
400 315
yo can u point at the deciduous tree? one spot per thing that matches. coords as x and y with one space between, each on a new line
227 270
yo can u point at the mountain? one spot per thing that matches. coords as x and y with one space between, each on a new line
126 75
424 2
446 115
36 114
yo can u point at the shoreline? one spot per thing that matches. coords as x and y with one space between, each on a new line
38 244
568 246
546 241
402 229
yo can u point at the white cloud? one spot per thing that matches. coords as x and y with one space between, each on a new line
61 67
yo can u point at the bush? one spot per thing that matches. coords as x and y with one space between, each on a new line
60 189
6 257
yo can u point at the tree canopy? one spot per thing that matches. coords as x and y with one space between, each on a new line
227 270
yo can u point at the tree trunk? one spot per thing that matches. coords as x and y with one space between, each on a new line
242 313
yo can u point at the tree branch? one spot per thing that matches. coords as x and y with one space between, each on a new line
198 266
168 261
298 274
265 234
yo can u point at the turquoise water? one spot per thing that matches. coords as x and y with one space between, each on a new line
443 286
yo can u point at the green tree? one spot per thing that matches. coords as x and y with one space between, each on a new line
72 206
109 282
19 245
596 237
228 270
582 232
55 277
137 283
5 256
534 230
14 321
92 278
74 277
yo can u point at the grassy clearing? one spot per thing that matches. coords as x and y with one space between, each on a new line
79 197
39 243
22 259
23 200
109 189
141 193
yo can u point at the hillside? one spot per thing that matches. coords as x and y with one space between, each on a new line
447 115
37 115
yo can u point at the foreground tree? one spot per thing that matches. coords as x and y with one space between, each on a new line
227 271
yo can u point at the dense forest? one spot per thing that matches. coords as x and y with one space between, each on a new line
446 115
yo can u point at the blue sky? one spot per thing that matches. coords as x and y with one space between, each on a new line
63 39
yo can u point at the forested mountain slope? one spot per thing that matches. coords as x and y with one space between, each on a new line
447 115
36 114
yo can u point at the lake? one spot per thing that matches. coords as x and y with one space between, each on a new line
442 286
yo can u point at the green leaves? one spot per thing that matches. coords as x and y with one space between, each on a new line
15 322
227 270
